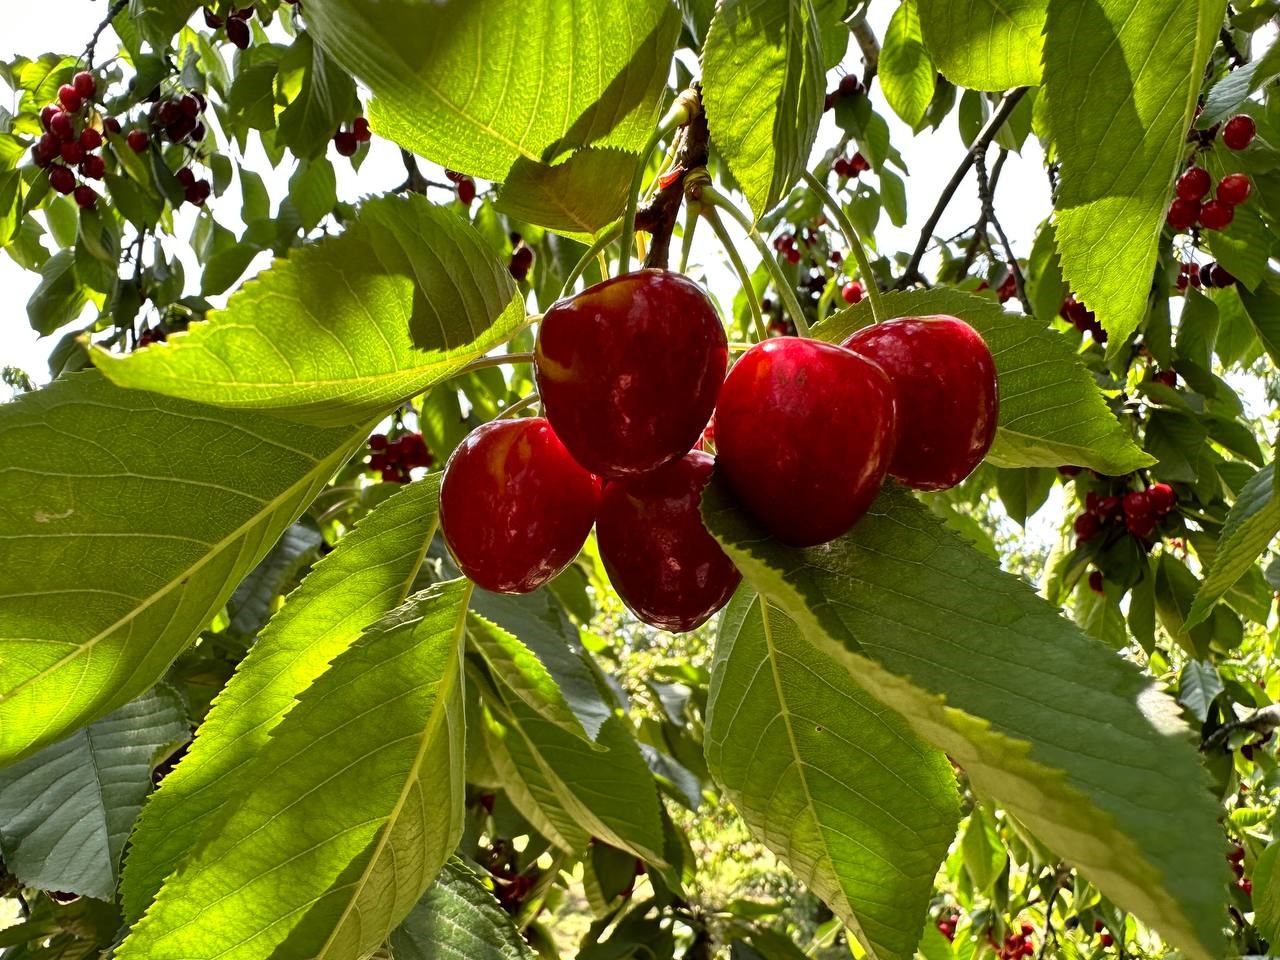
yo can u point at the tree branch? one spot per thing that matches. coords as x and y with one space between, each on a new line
416 182
658 217
912 272
1263 721
870 48
91 47
985 190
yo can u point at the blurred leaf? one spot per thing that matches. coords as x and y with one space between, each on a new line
1198 685
1251 525
985 44
906 72
313 188
59 297
458 916
249 608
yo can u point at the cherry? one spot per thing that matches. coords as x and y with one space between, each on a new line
197 132
1234 188
198 192
1106 939
1167 377
668 570
186 176
521 261
211 19
71 101
947 395
46 148
344 141
515 508
61 126
852 292
793 255
1238 132
72 152
360 127
111 125
1216 215
1095 581
93 167
1087 526
62 179
1069 470
85 196
859 163
137 140
841 167
238 32
48 113
849 85
84 84
1140 525
1162 497
1137 504
90 138
629 370
466 191
1193 184
190 106
1220 277
1245 884
804 434
1110 506
1183 214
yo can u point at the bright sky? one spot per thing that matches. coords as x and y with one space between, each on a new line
1022 198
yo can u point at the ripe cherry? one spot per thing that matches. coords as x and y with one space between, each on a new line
1234 189
90 138
61 126
629 370
849 85
1167 377
1087 526
1162 497
1137 504
47 114
1216 215
1193 184
804 434
1183 214
344 141
1095 581
947 395
238 32
1238 132
84 84
360 127
852 292
93 167
466 191
111 125
62 179
1106 939
1220 277
1140 525
668 570
70 100
515 508
72 152
137 140
85 196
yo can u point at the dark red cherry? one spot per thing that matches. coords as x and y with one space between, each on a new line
1238 132
666 568
84 84
1193 184
629 370
515 508
1234 188
1162 497
1216 215
137 140
804 434
947 395
1183 214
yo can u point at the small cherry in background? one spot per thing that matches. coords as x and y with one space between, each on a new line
804 434
515 508
666 567
948 398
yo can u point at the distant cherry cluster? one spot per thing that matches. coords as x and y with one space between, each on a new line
392 458
1082 318
1189 207
1197 275
1017 943
1139 512
70 140
347 142
850 166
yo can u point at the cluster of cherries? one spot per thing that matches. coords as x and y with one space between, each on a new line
394 458
347 142
1196 275
1189 206
69 140
630 372
1082 318
1140 511
1235 857
465 185
1017 943
1104 938
177 119
237 24
947 926
850 166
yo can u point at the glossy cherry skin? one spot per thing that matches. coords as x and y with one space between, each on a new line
804 434
515 508
666 568
629 370
947 395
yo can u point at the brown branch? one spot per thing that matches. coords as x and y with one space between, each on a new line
415 182
870 48
1263 721
91 47
985 191
658 217
912 272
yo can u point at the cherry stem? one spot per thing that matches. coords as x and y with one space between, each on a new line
753 300
692 213
497 360
609 234
710 195
855 244
524 403
679 114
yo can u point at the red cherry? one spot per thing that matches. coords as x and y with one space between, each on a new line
137 140
1140 525
515 508
1106 939
46 148
849 85
1087 526
1236 854
1183 214
72 152
948 398
85 196
1245 884
1162 498
841 167
93 167
211 19
190 106
1137 504
345 143
804 434
1167 377
390 475
360 127
111 125
859 163
61 126
238 33
90 138
1095 581
62 179
793 255
852 292
47 114
1238 132
378 441
629 370
668 570
466 191
186 176
1193 184
1109 507
168 113
70 100
84 84
1069 470
1234 189
1216 215
1221 278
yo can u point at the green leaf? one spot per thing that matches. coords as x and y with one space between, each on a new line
1263 309
1023 492
313 188
577 198
984 853
906 71
1051 411
66 811
1243 248
1198 685
59 297
1072 740
985 44
367 574
1251 525
832 782
225 267
325 100
249 608
762 88
893 193
1121 83
1266 892
558 74
345 329
458 917
348 813
121 536
1226 96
